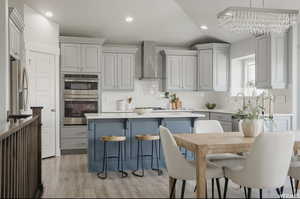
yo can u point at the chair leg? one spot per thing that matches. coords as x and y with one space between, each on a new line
245 192
212 188
183 188
260 193
249 193
278 190
173 188
296 186
225 188
292 185
219 189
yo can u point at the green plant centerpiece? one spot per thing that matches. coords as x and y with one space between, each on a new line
252 115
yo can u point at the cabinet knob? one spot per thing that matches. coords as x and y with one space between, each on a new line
52 110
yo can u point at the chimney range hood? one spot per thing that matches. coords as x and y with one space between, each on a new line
150 68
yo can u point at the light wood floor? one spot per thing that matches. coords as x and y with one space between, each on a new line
67 176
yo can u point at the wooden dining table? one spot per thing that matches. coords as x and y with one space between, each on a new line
215 143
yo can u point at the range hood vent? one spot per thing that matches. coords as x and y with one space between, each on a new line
149 61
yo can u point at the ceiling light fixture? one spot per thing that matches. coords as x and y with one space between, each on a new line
257 20
203 27
49 14
129 19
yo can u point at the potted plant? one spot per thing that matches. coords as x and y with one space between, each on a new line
252 116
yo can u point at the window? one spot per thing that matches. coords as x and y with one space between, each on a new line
243 76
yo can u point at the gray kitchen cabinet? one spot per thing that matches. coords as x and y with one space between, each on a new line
14 40
179 70
271 61
80 54
73 138
118 68
213 67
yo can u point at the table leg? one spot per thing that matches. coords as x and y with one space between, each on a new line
201 173
171 182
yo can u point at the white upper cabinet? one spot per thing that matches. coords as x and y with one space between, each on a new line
179 70
271 61
90 58
109 71
205 69
125 71
70 58
14 40
81 54
189 72
118 68
213 67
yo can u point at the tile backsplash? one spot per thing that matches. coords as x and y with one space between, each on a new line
148 94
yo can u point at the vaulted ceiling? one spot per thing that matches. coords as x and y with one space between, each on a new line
169 22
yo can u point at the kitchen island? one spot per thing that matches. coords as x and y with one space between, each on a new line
130 125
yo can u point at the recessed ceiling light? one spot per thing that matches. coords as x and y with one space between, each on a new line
204 27
49 14
129 19
229 14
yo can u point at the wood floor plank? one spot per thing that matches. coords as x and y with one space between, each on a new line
68 176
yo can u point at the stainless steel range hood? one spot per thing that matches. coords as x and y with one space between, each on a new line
150 68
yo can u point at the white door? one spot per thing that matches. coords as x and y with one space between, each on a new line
41 89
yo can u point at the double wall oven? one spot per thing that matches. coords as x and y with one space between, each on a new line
80 97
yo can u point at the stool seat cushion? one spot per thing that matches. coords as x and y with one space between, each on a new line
113 138
147 137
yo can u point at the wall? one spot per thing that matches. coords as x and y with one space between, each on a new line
3 62
40 30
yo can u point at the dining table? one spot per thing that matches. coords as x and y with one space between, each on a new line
215 143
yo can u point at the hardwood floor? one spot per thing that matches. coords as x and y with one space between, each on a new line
67 176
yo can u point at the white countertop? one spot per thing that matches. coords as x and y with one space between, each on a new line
92 116
197 110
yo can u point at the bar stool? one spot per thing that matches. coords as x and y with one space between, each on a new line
155 139
120 140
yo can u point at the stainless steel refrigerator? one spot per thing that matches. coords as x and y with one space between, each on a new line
18 87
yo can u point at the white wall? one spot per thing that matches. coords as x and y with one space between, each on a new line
40 30
242 48
3 62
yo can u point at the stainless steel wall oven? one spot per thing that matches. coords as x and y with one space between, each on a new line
80 97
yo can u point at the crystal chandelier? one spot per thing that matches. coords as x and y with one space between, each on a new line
257 20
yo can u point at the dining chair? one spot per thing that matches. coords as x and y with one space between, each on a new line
181 169
214 126
294 174
267 164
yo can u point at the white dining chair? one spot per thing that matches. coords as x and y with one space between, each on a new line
267 164
294 173
214 126
181 169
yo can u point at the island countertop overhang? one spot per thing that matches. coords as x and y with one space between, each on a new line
93 116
